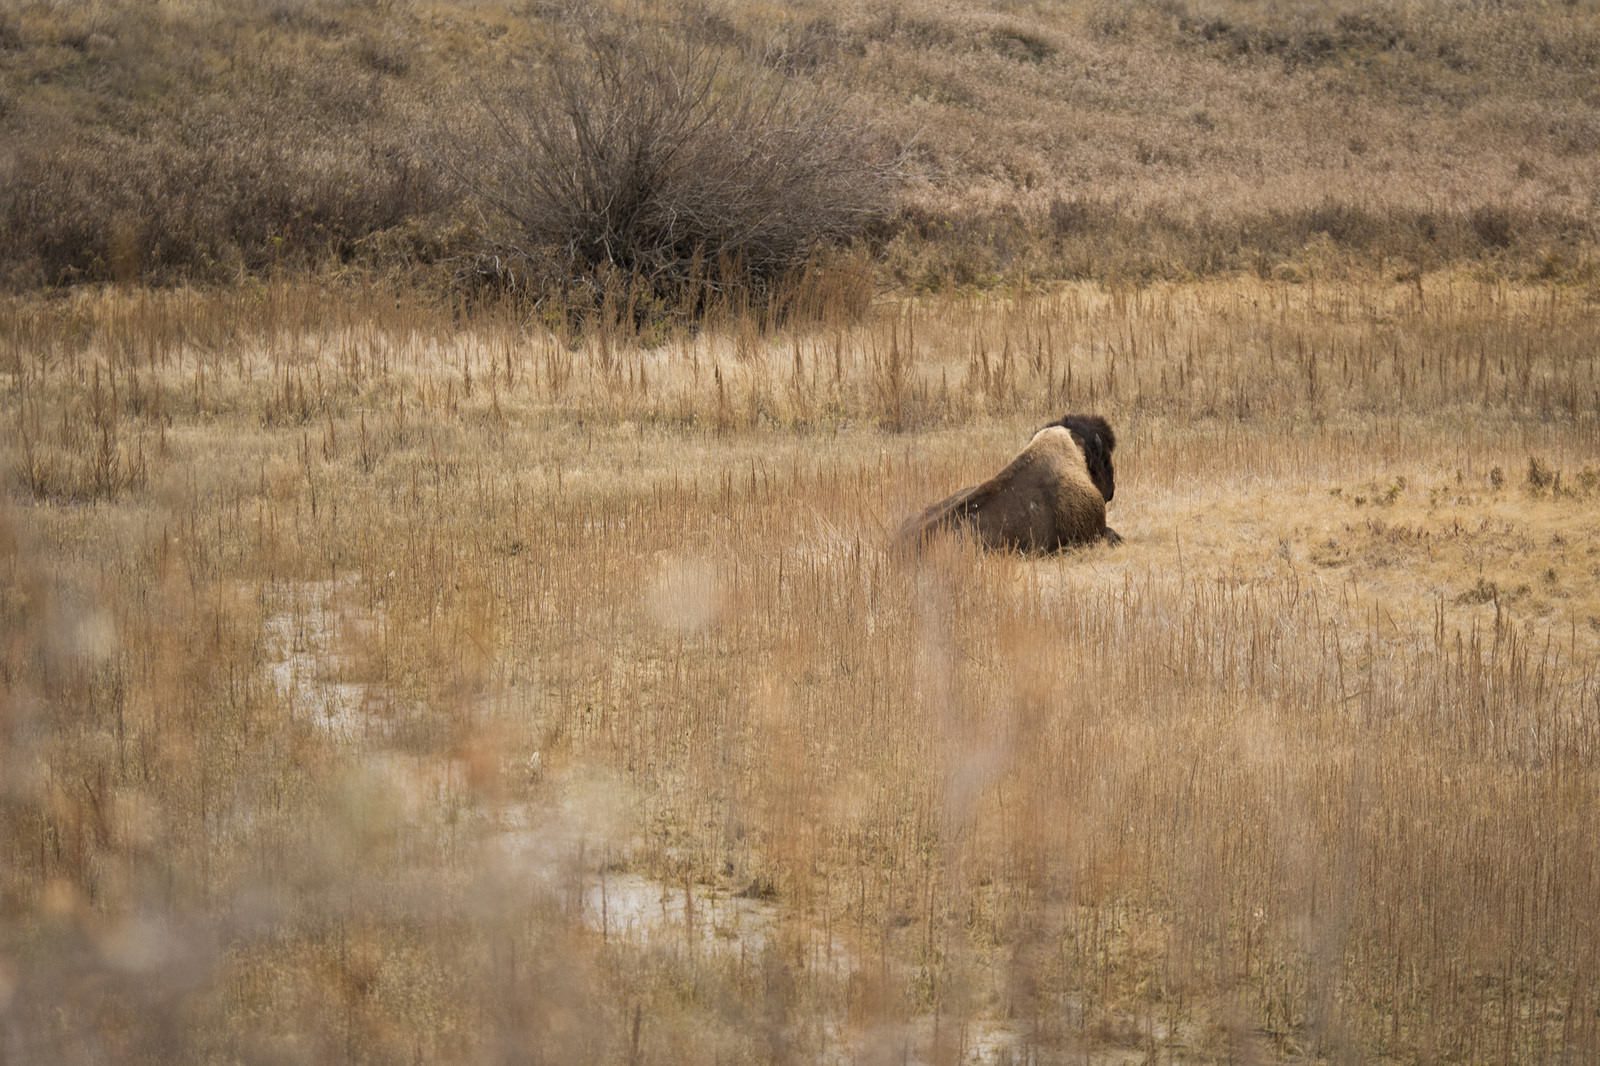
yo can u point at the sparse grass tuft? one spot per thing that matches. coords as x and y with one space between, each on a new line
1541 477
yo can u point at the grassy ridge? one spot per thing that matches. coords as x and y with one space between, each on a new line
1144 140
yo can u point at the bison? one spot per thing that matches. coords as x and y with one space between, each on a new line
1050 497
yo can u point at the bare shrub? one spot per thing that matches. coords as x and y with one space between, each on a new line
659 166
1540 476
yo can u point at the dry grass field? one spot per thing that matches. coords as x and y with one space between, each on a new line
383 683
409 660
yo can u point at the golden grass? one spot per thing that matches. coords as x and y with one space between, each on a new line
382 684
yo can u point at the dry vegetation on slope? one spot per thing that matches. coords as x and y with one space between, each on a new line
385 686
1155 139
389 674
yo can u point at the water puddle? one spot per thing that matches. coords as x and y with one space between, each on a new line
573 839
308 661
640 909
572 843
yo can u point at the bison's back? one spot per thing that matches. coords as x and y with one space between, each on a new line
1042 501
1046 501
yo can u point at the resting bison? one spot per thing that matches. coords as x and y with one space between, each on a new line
1050 497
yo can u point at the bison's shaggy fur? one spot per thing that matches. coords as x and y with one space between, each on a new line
1050 497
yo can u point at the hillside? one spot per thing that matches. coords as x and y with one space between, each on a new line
203 141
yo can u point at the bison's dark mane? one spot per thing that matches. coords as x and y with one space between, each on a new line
1094 436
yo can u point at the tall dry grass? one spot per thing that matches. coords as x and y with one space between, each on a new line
385 684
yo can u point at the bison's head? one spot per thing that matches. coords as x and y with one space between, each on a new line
1094 436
